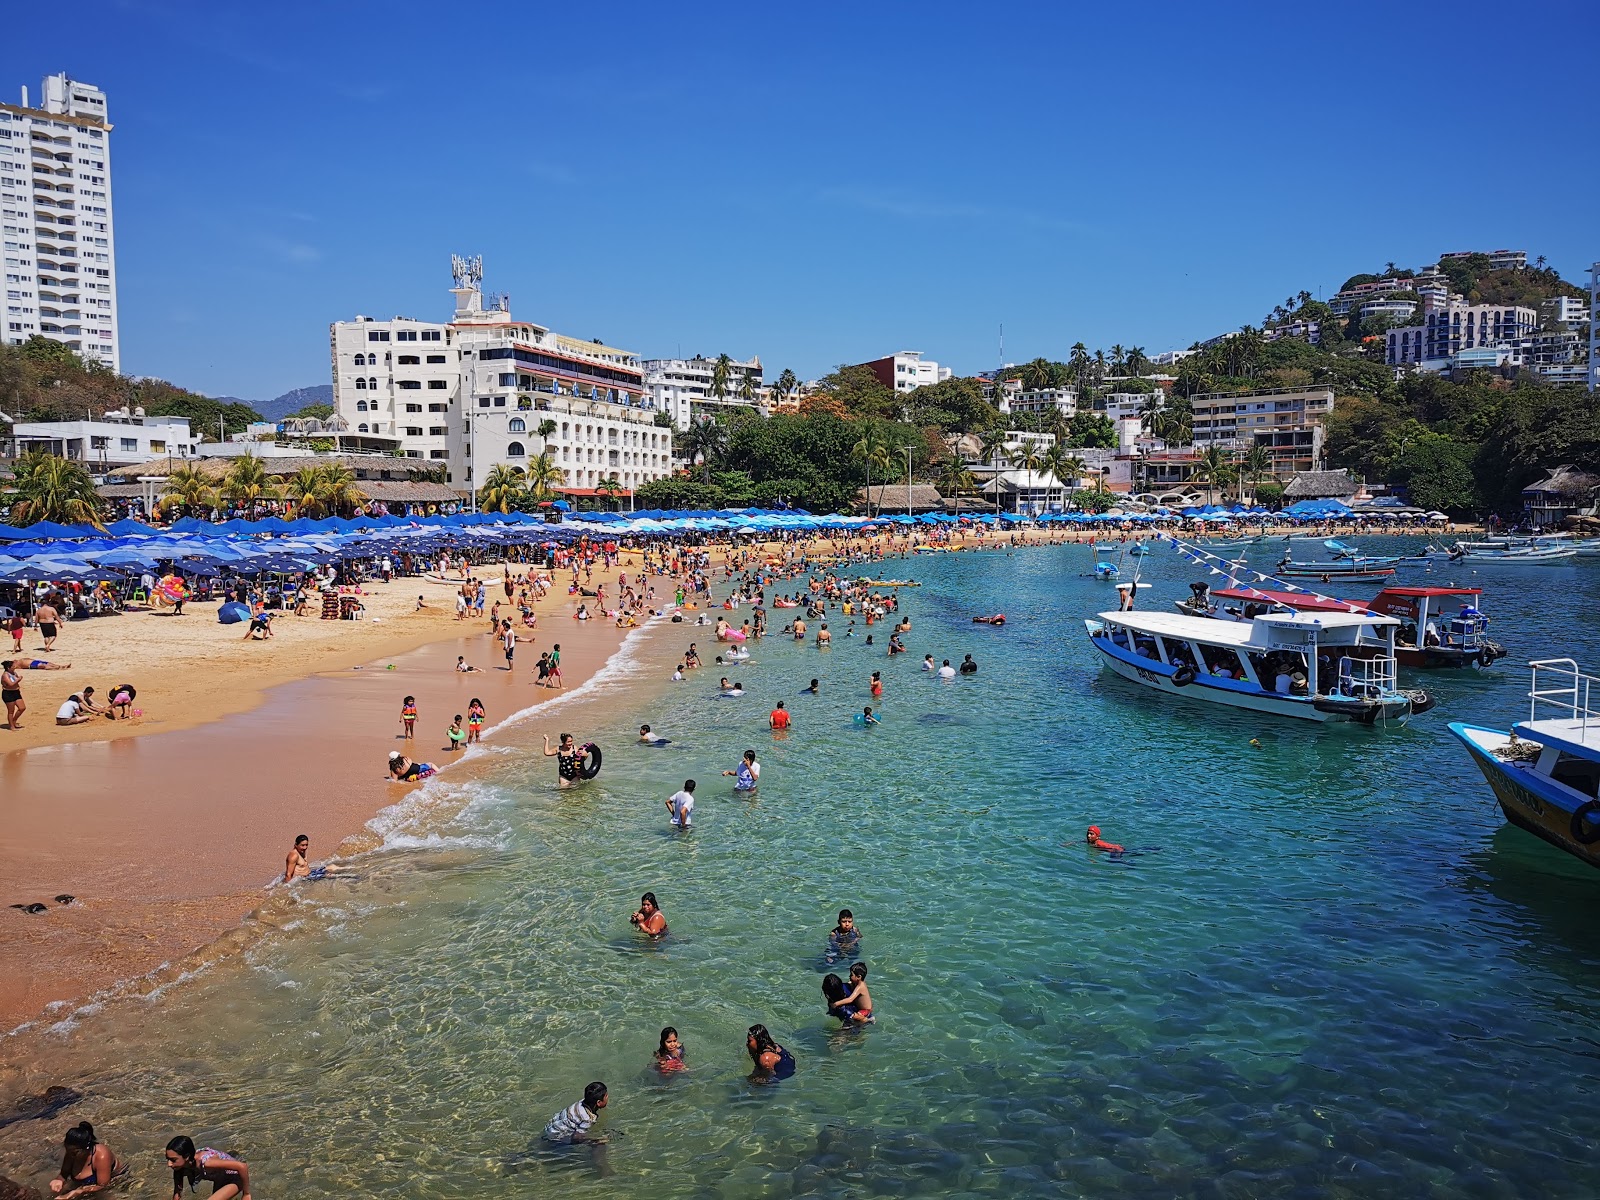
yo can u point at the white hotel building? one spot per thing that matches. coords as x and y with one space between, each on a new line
59 256
475 391
681 387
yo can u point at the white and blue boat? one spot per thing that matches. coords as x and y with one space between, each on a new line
1107 570
1545 771
1314 666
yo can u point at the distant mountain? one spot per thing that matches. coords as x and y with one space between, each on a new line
293 402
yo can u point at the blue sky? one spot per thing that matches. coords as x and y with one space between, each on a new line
813 184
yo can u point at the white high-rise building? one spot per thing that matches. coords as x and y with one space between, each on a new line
59 255
682 386
484 389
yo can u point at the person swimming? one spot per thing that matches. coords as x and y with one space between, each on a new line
1093 838
771 1060
669 1054
649 737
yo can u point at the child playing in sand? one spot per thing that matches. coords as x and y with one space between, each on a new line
408 717
457 734
475 715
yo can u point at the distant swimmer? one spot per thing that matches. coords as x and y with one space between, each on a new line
947 671
877 685
572 1125
680 805
866 717
734 688
968 667
927 663
1094 839
669 1054
650 737
771 1060
824 638
815 689
747 774
779 717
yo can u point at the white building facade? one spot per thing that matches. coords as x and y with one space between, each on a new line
906 370
59 252
121 439
484 389
1063 400
682 387
1449 328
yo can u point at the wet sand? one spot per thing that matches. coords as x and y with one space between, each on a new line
170 839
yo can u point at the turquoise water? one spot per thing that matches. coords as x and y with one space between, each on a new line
1332 971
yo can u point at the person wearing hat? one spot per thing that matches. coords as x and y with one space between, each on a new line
1094 839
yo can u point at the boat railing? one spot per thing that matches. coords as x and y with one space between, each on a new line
1564 688
1367 677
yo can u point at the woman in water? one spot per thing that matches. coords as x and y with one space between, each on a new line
747 774
835 994
568 759
229 1177
669 1055
772 1060
87 1165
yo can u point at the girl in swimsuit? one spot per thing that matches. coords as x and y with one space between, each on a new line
567 759
669 1055
87 1165
229 1177
408 717
475 716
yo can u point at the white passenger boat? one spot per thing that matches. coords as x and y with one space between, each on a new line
1315 666
1545 771
1511 552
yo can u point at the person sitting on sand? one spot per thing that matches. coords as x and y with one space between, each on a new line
297 866
464 667
71 712
649 918
1094 839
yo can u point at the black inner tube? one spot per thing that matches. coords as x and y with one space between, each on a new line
1183 676
589 765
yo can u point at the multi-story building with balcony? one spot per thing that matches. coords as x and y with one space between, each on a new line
682 387
119 439
484 389
1454 326
1063 400
1289 423
59 252
1499 260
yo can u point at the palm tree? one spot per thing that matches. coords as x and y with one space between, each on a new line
54 489
1213 466
720 372
189 489
1257 463
1026 457
340 493
1078 361
611 488
705 439
1137 363
304 490
1066 466
547 429
1038 374
543 478
787 382
503 490
873 450
954 478
1118 359
1099 364
747 388
247 483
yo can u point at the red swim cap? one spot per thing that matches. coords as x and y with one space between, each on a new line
1094 831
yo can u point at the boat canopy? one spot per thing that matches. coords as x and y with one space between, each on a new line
1266 631
1300 600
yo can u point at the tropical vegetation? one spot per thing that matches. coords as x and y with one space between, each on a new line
53 489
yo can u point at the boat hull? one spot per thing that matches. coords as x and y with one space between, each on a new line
1530 801
1243 694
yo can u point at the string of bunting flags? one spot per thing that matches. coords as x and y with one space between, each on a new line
1235 569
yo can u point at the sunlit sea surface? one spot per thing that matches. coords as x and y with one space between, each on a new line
1329 969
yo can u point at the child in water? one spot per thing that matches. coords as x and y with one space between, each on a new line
669 1055
408 717
475 717
457 734
858 1001
845 940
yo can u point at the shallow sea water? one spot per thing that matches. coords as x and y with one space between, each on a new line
1329 971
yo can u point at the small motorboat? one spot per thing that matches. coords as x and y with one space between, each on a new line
1106 570
1501 551
1545 771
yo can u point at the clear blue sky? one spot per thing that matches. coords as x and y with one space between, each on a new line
813 184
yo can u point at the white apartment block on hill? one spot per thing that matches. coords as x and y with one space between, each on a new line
681 387
59 255
483 389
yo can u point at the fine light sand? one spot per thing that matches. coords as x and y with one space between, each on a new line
168 839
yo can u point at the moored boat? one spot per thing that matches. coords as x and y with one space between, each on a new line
1545 771
1311 666
1428 637
1501 551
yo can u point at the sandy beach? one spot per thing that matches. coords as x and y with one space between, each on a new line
167 828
